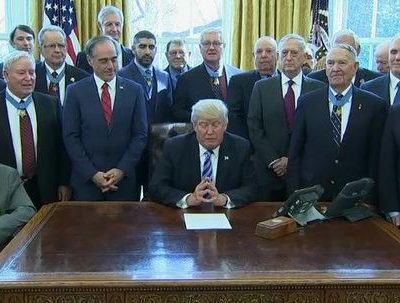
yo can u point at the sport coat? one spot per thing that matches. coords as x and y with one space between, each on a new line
2 84
379 86
82 63
159 105
72 74
268 128
235 173
362 75
313 155
93 146
52 166
193 86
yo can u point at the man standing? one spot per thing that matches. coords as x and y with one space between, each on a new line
177 56
207 80
336 138
105 128
381 56
362 74
387 87
30 133
240 87
217 167
53 75
111 22
271 116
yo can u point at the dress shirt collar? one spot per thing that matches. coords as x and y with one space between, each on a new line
18 99
343 93
214 72
58 71
143 69
297 79
202 150
100 82
393 81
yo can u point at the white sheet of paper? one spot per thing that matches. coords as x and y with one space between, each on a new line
206 221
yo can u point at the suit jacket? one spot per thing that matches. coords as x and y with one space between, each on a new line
389 169
93 146
159 105
170 76
268 128
193 86
2 84
235 172
72 74
82 63
313 155
52 166
362 75
16 207
379 86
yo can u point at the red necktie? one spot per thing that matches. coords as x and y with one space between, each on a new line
106 103
289 105
27 145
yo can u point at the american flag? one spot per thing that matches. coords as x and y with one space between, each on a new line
62 14
319 31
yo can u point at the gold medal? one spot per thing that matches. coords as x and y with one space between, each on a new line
22 113
216 81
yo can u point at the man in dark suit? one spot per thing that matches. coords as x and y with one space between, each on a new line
53 75
30 133
387 87
2 84
337 134
207 80
16 207
217 167
105 128
389 174
177 56
111 22
381 56
271 116
362 75
240 86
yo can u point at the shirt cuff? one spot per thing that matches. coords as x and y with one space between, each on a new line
272 163
393 214
229 204
182 202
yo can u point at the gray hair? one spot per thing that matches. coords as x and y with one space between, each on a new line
300 41
352 52
384 46
90 45
346 32
15 56
50 28
177 41
209 109
211 31
107 10
270 40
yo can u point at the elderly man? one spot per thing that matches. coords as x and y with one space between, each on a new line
217 168
207 80
271 116
381 56
336 137
387 86
105 128
240 87
15 206
111 22
53 75
30 133
362 74
177 56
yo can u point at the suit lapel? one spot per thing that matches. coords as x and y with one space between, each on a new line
354 115
41 82
6 147
223 163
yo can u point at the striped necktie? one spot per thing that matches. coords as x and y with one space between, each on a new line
207 166
336 121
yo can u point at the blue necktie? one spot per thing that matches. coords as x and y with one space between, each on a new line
336 121
207 166
396 99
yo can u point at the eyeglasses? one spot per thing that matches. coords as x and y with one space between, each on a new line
55 45
213 43
175 53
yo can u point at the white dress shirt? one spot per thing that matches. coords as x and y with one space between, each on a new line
345 111
111 88
61 84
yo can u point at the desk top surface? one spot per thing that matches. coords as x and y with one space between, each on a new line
129 241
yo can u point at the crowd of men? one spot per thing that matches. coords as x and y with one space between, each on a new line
81 132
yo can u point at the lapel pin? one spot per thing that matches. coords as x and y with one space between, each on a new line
362 81
72 79
121 87
359 106
226 158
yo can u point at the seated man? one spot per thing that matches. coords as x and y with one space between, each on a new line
16 207
208 165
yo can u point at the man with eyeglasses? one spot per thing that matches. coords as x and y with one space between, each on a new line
207 80
177 56
217 166
53 75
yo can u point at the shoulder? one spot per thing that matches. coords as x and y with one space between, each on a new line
313 82
375 83
9 173
319 74
76 71
161 74
235 141
180 142
232 69
127 83
366 96
313 96
368 74
194 72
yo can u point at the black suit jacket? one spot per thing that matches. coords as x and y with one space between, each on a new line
268 128
362 75
2 84
380 87
177 173
52 167
389 169
72 74
82 63
313 156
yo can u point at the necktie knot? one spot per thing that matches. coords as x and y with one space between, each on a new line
104 86
290 82
339 97
54 74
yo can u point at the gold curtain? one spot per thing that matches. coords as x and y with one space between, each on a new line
86 12
276 18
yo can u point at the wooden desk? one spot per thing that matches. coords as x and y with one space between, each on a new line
141 252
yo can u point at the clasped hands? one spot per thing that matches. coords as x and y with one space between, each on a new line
206 192
280 166
107 181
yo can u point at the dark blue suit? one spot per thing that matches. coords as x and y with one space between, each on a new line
177 173
380 87
93 147
362 75
313 156
2 84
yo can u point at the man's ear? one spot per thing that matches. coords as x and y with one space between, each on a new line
89 60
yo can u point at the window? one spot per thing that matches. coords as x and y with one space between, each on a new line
374 21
